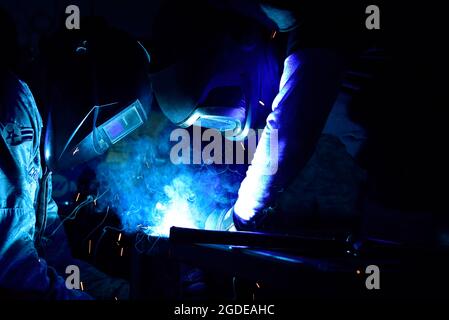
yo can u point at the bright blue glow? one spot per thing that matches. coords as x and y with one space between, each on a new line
47 153
125 122
115 129
150 193
47 141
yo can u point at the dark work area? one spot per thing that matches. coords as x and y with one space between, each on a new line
233 153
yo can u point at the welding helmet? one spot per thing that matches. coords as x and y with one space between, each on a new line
98 93
215 87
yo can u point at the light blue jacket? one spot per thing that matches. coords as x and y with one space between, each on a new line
22 271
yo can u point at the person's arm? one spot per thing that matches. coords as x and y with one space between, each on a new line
307 91
23 274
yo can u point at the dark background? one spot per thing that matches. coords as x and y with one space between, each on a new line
403 108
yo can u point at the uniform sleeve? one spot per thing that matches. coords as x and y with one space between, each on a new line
22 272
307 90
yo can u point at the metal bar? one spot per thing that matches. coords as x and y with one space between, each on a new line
257 239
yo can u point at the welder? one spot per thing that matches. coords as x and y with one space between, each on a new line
34 251
328 53
310 82
315 57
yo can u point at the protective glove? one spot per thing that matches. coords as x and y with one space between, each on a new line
260 221
221 221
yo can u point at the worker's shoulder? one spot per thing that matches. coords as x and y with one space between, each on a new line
15 96
18 110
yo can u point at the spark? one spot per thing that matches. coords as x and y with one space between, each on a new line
358 271
95 202
75 151
241 143
258 285
121 252
261 103
273 34
82 286
116 298
119 236
90 246
77 197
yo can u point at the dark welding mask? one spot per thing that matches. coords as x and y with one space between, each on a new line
213 89
102 96
103 135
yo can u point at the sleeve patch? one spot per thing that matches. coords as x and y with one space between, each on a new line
15 135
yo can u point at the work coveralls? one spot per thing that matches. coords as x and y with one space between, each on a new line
23 272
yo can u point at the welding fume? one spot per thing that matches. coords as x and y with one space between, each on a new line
183 151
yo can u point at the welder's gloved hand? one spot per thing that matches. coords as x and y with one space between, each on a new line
257 222
220 221
226 222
